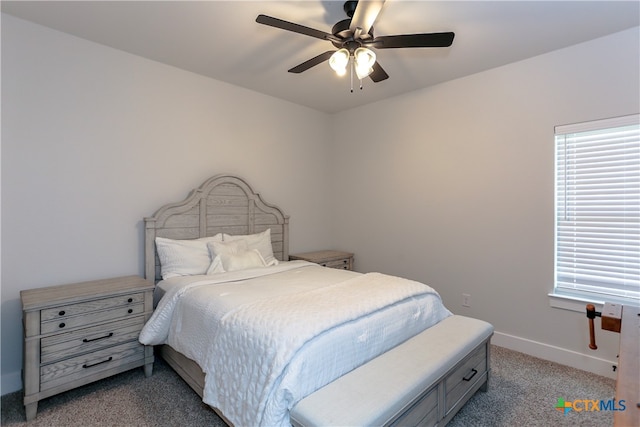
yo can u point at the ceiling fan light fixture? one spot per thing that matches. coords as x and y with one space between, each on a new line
364 59
351 35
339 61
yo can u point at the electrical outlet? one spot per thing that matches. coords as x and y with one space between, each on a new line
466 300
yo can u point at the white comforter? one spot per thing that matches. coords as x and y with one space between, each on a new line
266 338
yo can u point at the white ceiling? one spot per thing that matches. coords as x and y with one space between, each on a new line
221 39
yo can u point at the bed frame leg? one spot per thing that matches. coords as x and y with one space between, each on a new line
148 370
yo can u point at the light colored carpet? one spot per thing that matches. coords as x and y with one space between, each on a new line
523 391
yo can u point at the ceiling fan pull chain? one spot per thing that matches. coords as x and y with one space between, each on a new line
351 73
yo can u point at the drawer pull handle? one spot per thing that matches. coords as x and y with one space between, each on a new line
130 311
62 325
99 338
473 374
99 363
61 313
130 300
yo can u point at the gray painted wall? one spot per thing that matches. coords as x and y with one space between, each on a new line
457 180
95 139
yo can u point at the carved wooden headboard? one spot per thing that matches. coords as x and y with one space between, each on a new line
222 204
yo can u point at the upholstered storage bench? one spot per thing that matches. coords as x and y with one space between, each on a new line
444 366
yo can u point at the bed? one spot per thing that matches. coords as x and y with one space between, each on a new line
267 341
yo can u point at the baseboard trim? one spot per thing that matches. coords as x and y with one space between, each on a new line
555 354
11 382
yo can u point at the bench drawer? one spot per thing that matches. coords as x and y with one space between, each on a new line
471 370
422 413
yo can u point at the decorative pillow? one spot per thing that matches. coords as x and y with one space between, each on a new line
259 241
184 257
220 250
242 260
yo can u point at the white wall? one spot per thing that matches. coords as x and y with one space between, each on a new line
457 182
95 139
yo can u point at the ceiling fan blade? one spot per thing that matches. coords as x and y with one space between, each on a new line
365 15
296 28
378 73
312 62
413 40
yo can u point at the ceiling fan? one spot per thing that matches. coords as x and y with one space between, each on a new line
353 37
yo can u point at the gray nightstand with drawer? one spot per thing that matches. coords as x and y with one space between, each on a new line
78 333
328 258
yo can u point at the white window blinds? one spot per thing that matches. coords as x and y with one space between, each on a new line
598 209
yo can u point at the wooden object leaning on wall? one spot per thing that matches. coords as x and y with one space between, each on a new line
628 379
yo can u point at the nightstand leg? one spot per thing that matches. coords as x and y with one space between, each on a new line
30 409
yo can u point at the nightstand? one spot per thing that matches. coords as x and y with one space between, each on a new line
332 259
78 333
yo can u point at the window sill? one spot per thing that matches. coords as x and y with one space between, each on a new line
576 303
572 303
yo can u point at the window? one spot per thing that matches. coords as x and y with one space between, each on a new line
597 236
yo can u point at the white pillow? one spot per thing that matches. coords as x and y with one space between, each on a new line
242 260
218 250
259 241
184 257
